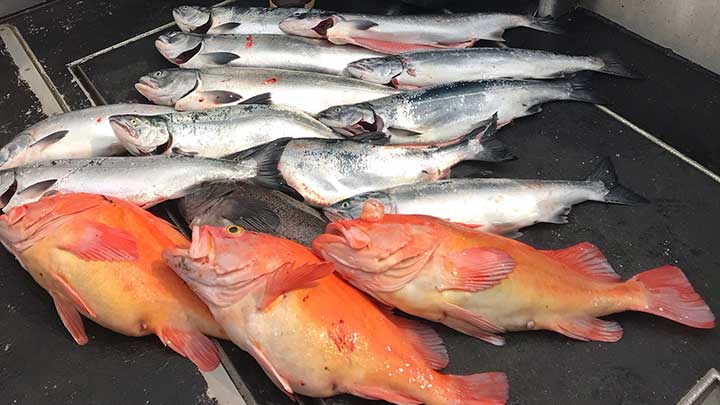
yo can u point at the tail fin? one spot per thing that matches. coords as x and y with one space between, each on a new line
491 150
485 388
580 89
670 295
612 65
547 24
616 194
268 157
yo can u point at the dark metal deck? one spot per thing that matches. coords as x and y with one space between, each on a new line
657 361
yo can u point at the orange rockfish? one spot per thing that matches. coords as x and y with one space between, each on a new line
483 284
102 258
312 333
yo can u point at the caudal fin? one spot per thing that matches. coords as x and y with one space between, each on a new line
580 89
477 389
612 65
491 149
670 295
547 24
267 157
616 194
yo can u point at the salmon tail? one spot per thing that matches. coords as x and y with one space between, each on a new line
484 144
616 193
479 389
580 89
612 65
193 345
670 295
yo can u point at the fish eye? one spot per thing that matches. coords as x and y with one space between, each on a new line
345 205
157 74
233 229
338 109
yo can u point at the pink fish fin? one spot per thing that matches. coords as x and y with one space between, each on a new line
72 295
193 345
473 324
385 394
286 279
479 389
463 44
476 269
587 259
70 317
424 339
670 295
387 47
280 381
99 242
590 329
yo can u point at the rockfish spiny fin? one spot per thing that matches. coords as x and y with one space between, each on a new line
193 345
286 279
586 259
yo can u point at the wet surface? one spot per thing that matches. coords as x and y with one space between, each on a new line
657 361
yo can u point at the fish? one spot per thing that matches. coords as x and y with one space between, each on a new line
226 20
259 51
445 112
101 258
312 333
412 70
484 285
191 89
325 171
492 205
145 181
392 34
76 134
215 133
253 208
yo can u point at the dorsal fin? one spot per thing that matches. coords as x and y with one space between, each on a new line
586 259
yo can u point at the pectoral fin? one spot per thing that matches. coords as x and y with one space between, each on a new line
476 269
216 58
286 279
98 242
49 140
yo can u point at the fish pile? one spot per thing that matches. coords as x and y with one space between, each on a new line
310 153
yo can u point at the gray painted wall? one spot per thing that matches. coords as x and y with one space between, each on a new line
691 28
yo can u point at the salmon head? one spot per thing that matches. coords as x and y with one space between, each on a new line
142 135
25 225
224 263
351 119
179 47
377 70
377 243
310 24
193 18
166 87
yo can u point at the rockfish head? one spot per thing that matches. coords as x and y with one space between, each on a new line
377 70
351 119
224 263
178 47
365 248
166 87
142 135
351 208
12 154
193 18
310 24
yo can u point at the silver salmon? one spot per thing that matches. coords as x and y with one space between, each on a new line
428 68
190 89
259 50
445 112
73 135
231 19
215 133
495 205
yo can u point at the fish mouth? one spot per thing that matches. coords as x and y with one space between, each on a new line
122 129
322 28
334 215
166 49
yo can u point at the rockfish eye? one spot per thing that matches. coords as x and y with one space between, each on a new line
233 229
345 205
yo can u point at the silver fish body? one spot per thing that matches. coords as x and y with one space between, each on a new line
326 171
429 68
495 205
446 30
190 89
231 19
445 112
216 132
73 135
260 51
254 208
144 181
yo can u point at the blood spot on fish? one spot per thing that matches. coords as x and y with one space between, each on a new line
271 80
99 119
334 386
305 298
343 338
200 100
326 368
249 41
302 383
